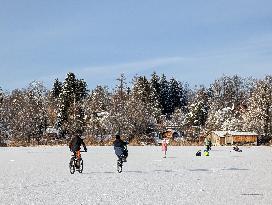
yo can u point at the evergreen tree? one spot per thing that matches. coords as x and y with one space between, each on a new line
155 86
175 95
164 96
184 90
155 95
143 89
70 118
57 88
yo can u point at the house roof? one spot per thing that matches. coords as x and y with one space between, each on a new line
234 133
51 130
220 133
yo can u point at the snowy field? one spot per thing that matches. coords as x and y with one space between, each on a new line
41 176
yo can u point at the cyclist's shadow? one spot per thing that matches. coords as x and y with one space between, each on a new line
107 172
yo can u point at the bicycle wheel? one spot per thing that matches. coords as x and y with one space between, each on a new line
72 166
119 166
80 166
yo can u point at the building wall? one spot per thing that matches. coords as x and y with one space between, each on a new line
230 139
215 139
245 139
222 140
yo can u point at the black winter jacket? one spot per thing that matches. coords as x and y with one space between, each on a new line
75 144
119 146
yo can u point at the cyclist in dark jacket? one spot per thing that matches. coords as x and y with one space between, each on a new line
120 147
75 144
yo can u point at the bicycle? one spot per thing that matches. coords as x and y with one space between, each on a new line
76 164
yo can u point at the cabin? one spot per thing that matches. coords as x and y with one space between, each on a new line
167 134
170 132
233 138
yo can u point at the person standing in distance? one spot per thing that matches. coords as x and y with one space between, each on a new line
164 147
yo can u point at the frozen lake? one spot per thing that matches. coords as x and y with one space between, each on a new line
40 175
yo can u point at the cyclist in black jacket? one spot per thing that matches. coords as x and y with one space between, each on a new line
75 144
120 147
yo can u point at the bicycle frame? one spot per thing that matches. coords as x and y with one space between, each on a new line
76 163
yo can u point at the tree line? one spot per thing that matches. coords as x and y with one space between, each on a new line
136 110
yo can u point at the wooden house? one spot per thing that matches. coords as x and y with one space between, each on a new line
171 132
233 137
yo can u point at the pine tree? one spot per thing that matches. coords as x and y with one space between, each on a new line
184 90
155 95
142 88
164 96
57 88
155 87
70 118
175 95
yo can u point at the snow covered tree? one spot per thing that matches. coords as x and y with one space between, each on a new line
198 109
15 112
118 108
99 100
141 113
26 113
177 98
155 84
57 88
225 119
178 120
70 118
36 111
228 95
97 111
258 116
228 91
4 131
155 94
1 95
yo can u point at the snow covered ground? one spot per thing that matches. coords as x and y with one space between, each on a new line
40 175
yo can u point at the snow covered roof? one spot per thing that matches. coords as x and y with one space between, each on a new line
102 114
223 133
51 130
220 133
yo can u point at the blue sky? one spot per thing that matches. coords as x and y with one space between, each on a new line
194 41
